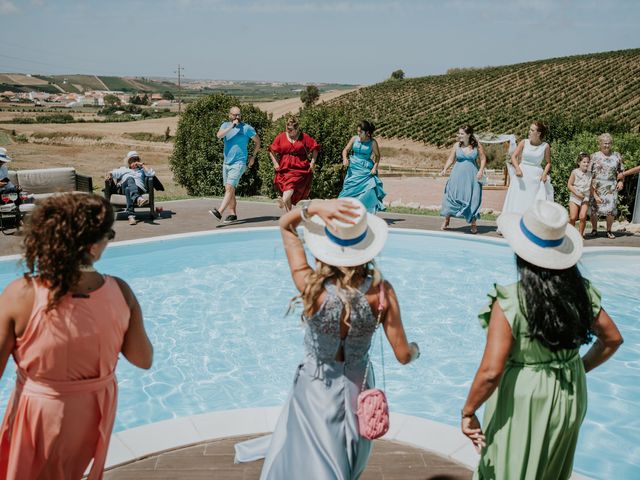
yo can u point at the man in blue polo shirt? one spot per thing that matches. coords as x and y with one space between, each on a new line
236 136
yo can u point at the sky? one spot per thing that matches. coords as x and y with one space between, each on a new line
330 41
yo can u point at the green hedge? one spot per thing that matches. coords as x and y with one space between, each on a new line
563 161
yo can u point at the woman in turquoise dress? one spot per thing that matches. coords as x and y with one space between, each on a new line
531 375
317 436
362 181
463 192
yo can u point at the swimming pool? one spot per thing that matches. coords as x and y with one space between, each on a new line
215 308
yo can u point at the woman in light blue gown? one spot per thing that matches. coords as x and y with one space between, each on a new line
463 192
362 181
316 436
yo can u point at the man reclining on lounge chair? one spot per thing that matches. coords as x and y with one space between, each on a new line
131 180
6 186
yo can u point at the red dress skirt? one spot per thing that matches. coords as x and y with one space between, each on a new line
294 173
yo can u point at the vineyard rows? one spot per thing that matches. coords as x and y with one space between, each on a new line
504 99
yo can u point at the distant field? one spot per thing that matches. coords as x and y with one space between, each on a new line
117 83
190 90
20 79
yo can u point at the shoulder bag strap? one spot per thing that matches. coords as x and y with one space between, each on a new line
381 305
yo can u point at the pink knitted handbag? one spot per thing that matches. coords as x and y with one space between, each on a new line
373 410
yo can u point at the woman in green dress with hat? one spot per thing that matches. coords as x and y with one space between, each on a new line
531 375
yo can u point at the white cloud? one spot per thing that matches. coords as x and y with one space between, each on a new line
7 7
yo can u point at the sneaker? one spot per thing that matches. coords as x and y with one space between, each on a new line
142 202
132 220
215 213
230 218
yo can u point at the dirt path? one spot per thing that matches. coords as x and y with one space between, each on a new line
279 108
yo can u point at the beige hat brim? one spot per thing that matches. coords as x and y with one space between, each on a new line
565 255
325 250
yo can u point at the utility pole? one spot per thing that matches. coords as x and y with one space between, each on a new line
179 72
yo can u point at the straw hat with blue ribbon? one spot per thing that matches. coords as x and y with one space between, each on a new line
348 245
542 236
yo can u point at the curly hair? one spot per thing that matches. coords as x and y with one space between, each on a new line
557 305
59 236
346 279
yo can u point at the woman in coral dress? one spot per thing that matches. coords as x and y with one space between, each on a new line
290 152
65 325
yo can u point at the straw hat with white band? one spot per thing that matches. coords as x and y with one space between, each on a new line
348 245
542 236
4 156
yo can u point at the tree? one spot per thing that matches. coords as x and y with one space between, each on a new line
136 100
111 100
167 95
310 95
397 75
196 161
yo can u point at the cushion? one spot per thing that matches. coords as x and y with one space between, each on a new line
47 180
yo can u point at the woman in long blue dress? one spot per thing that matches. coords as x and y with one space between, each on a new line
463 192
316 436
362 181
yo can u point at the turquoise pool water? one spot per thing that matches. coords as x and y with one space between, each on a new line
215 308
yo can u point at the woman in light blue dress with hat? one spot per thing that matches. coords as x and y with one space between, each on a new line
362 181
463 192
317 436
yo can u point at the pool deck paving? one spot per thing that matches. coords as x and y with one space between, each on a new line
389 460
183 216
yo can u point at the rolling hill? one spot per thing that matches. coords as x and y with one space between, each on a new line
602 87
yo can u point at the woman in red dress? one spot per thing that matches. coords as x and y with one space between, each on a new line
290 152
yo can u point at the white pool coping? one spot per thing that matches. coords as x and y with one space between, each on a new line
154 438
423 232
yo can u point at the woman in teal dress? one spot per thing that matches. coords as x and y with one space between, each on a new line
463 192
531 375
362 181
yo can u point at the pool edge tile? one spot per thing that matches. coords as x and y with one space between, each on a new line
160 436
118 452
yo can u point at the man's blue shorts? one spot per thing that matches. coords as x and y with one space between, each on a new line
231 173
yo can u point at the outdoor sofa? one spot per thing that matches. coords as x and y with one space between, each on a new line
44 182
